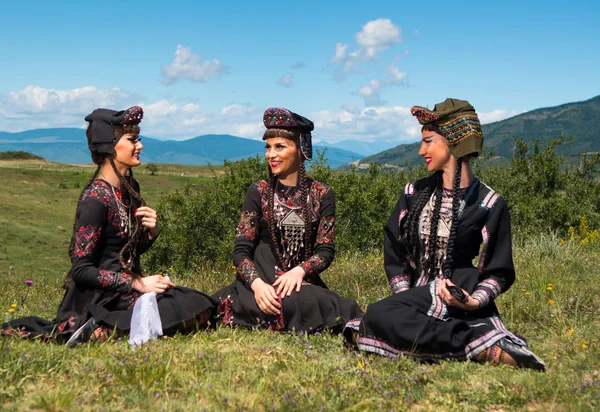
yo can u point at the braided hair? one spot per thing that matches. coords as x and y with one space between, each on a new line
305 185
411 224
449 262
136 200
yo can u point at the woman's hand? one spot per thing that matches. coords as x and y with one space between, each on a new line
265 297
470 304
149 219
289 281
156 283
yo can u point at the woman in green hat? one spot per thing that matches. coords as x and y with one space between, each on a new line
442 307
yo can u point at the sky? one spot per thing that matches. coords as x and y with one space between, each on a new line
354 68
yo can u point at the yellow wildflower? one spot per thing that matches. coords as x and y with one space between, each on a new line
551 302
550 285
549 288
11 311
527 293
571 331
14 305
584 346
360 365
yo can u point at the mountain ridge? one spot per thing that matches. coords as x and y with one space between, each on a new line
577 119
67 145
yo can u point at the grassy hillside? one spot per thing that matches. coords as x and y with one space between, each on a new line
580 120
554 303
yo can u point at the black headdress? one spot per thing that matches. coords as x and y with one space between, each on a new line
103 122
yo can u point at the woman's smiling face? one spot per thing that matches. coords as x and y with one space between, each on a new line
435 150
127 150
283 156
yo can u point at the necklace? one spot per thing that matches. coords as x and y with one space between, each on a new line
123 212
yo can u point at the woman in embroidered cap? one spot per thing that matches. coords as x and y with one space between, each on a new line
441 305
285 240
113 227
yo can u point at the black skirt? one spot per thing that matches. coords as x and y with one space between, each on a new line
312 309
418 323
113 310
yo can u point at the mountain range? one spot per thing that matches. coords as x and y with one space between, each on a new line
67 145
580 120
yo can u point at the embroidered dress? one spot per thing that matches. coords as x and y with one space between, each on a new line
315 306
98 286
414 320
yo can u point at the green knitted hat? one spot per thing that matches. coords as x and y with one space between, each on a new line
458 122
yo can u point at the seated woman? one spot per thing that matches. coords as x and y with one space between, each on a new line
442 306
113 227
285 240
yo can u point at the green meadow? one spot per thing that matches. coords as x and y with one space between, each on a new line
555 304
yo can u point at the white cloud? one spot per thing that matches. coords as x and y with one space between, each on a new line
192 67
496 115
286 80
340 53
36 107
372 92
388 123
375 36
297 65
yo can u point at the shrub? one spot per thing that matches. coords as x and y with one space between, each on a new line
19 155
543 193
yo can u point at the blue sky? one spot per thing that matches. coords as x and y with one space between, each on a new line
212 67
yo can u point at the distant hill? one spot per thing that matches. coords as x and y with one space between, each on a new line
580 120
68 145
365 148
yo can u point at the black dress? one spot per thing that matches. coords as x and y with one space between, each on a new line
414 320
313 308
98 286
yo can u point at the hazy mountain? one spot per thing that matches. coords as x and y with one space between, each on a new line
580 120
68 145
365 148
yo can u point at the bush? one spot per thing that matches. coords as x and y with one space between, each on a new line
19 155
543 193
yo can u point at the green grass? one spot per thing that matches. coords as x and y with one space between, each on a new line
259 370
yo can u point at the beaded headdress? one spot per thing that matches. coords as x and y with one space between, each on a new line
284 119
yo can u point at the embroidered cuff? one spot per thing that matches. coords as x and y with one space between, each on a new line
118 281
400 283
313 266
247 272
486 291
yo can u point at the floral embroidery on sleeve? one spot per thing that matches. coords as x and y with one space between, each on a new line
314 265
86 239
118 281
247 272
326 230
247 226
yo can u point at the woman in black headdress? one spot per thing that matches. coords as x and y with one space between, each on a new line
441 305
285 240
113 227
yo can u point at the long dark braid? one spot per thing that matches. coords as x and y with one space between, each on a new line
68 278
304 183
433 231
272 222
411 224
135 201
449 262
